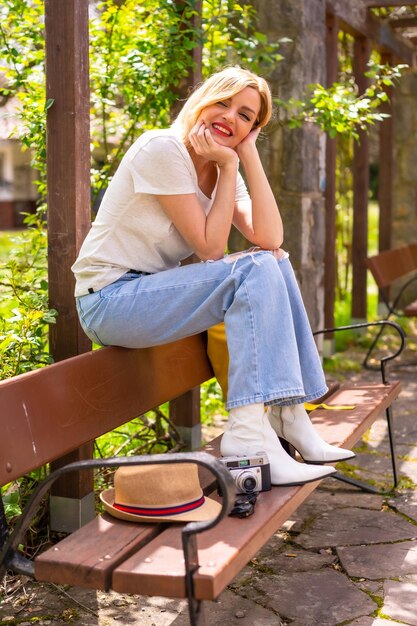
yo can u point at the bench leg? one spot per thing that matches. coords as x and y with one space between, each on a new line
195 607
390 427
4 529
355 483
16 562
364 486
352 481
338 475
196 613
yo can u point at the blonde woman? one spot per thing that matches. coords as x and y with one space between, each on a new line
176 192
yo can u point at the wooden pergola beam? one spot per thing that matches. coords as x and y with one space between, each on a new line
379 4
363 24
388 42
403 22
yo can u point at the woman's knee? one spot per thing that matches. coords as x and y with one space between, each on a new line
267 262
261 270
280 254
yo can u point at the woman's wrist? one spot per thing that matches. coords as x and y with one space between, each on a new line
247 153
230 164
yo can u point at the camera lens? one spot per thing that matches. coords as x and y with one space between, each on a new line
246 482
249 483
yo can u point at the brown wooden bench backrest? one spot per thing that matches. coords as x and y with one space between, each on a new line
47 413
413 252
390 265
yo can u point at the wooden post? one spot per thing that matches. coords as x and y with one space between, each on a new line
185 410
332 30
69 216
385 176
198 50
362 49
195 75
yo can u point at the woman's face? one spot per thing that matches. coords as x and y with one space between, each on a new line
231 120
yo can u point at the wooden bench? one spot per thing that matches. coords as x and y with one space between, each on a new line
49 412
391 267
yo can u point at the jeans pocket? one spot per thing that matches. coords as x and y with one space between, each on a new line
91 334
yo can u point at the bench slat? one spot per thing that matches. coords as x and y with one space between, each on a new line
88 560
53 410
346 427
157 569
222 551
411 309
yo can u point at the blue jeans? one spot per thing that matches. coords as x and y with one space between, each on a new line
273 356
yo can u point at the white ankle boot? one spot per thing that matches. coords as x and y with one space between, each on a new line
248 431
293 424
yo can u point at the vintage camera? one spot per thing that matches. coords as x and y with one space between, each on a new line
250 473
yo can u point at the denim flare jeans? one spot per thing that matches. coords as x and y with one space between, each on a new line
273 356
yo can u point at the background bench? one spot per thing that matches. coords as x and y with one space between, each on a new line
390 269
48 412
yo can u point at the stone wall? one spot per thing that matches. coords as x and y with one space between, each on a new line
405 167
294 158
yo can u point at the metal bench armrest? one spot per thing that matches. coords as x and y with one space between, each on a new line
10 558
392 306
381 324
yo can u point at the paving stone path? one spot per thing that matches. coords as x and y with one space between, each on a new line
345 557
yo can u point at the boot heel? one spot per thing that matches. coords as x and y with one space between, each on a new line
289 449
293 425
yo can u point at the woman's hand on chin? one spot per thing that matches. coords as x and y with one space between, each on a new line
205 146
248 143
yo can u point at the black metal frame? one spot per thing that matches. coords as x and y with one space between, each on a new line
392 310
11 559
388 412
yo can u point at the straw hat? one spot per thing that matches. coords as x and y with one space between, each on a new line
163 492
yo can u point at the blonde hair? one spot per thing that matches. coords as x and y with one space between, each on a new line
221 86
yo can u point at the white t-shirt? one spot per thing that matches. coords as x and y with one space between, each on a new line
131 230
